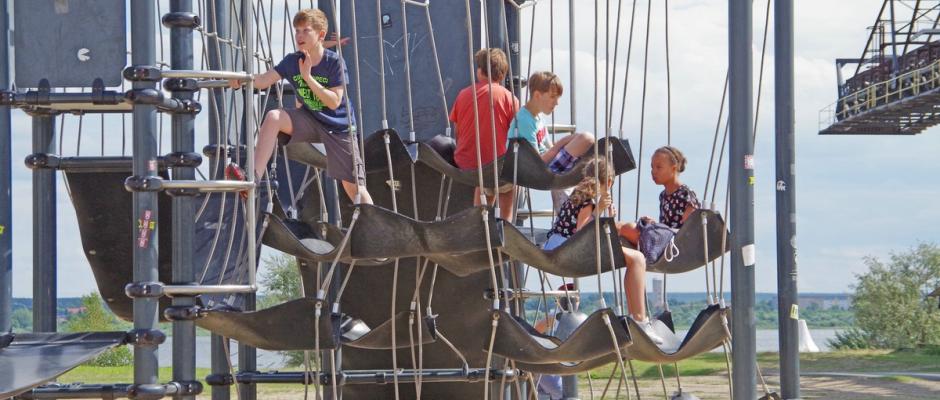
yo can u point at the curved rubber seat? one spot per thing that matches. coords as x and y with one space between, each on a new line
706 333
568 368
288 326
430 157
291 326
691 244
519 341
382 233
380 337
299 239
32 359
529 170
465 264
375 155
575 258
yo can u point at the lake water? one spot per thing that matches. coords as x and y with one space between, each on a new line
766 341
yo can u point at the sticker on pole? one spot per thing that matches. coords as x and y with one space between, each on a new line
146 226
748 161
794 311
747 254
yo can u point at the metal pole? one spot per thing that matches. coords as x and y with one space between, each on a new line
184 332
741 170
6 199
332 213
788 298
247 355
145 242
44 228
219 58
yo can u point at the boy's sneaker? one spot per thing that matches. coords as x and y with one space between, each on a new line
647 327
235 173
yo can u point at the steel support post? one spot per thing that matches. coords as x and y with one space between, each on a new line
44 228
741 170
6 199
330 193
787 294
184 332
144 220
247 355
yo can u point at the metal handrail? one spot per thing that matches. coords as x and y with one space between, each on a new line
882 93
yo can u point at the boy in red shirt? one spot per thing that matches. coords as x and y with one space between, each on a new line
501 111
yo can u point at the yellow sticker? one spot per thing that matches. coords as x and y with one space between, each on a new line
751 180
2 229
794 311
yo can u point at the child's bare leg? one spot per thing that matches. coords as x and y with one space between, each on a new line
552 152
628 231
506 204
634 283
352 189
579 144
274 121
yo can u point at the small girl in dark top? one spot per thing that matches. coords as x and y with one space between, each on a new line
676 201
579 210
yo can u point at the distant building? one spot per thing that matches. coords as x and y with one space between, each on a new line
74 310
825 301
656 300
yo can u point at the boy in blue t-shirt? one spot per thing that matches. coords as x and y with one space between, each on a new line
544 90
322 115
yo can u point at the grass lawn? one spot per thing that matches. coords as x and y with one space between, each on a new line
711 364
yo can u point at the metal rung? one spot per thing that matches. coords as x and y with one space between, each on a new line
561 128
171 290
535 214
209 186
206 74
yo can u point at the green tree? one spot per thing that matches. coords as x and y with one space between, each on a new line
280 282
94 318
22 319
890 303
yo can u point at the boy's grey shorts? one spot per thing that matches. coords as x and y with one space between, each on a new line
339 160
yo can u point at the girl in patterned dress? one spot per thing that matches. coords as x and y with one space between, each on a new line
676 201
579 210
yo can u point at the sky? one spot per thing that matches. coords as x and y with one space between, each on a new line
857 196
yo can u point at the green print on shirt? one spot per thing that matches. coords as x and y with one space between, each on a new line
310 100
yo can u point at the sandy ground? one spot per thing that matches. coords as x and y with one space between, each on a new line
716 387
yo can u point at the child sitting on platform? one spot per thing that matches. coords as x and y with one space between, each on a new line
545 89
495 105
579 210
318 76
676 201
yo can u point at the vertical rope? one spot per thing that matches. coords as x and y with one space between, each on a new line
646 52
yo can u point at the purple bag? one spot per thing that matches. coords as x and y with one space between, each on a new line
655 239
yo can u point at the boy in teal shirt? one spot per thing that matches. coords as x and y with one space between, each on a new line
545 89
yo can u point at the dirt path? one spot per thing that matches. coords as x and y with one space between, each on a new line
812 387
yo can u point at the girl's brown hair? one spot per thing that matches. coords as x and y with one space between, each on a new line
594 169
676 156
